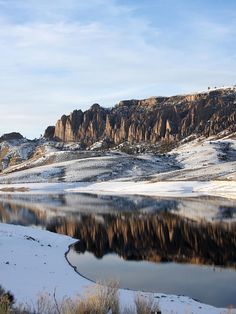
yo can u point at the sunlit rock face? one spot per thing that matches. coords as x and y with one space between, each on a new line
152 120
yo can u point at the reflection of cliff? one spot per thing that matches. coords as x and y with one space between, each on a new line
15 214
162 237
154 237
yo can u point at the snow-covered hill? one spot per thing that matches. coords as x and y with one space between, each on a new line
15 151
197 158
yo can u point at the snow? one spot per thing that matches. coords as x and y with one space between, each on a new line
33 261
203 160
29 267
47 198
197 160
170 189
230 88
164 189
203 152
208 169
96 145
108 166
19 149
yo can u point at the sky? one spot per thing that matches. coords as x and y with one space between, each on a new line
61 55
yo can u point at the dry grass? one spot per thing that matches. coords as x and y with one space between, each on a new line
101 299
5 306
146 305
6 301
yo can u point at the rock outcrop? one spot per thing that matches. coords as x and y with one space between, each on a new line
11 136
151 120
49 132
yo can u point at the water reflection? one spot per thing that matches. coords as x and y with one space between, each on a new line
137 228
151 237
161 235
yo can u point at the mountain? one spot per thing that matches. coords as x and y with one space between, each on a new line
150 120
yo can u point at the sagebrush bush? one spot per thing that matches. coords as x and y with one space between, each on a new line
100 299
6 301
146 305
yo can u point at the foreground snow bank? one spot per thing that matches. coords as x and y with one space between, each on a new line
32 261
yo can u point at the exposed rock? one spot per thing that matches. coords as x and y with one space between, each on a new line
14 149
49 132
11 136
151 120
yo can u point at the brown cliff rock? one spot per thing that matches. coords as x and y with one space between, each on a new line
49 132
152 120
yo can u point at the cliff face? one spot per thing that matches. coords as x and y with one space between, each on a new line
151 120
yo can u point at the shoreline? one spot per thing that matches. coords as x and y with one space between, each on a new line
46 270
170 189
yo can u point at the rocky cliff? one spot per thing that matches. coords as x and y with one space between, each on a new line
151 120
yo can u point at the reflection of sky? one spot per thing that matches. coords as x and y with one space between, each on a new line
196 209
210 285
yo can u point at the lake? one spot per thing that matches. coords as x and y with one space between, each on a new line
174 246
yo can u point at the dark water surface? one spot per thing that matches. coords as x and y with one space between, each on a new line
184 247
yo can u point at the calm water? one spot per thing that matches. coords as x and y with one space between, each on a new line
184 247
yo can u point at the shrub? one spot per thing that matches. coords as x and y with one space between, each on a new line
101 299
6 301
146 305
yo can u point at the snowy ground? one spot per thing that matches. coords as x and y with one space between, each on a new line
201 167
164 189
173 189
203 159
32 262
200 159
96 168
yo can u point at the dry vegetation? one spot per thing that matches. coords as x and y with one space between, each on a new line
6 301
99 300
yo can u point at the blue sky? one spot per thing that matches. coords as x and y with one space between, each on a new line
59 55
